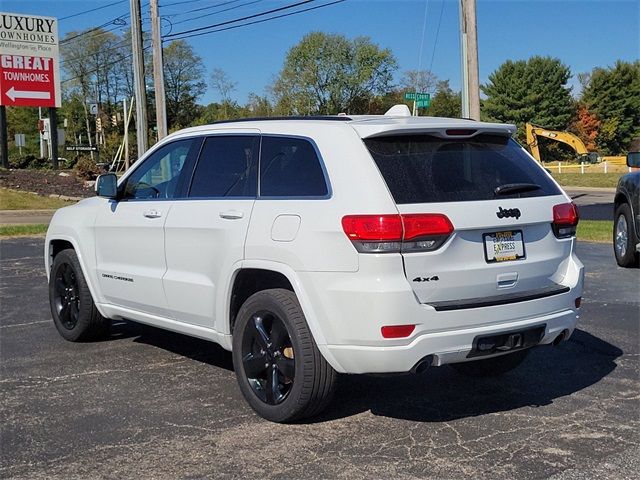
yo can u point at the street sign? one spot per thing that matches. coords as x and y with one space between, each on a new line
29 61
20 140
81 148
417 96
93 108
423 103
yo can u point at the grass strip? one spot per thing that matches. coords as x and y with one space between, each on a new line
12 200
607 180
600 231
23 230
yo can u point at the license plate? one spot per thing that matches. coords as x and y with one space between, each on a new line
503 246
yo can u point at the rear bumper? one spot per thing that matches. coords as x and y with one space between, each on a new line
349 310
445 347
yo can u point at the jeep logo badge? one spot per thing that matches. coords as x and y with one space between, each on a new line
508 212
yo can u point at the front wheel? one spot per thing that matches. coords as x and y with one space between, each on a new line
74 313
279 368
491 367
624 241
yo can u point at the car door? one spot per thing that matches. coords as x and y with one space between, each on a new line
129 232
205 234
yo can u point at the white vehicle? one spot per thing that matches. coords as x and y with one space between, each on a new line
316 246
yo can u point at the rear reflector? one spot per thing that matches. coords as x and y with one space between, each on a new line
565 220
397 331
578 302
394 233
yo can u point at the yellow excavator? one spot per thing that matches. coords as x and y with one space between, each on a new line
533 131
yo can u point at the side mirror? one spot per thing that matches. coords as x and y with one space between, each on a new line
107 185
633 159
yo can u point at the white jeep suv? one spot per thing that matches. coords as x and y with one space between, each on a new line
312 246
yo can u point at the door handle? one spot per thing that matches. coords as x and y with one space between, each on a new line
152 213
231 215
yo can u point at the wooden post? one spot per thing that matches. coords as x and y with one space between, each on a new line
158 72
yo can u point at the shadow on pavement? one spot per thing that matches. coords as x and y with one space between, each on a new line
441 394
438 395
190 347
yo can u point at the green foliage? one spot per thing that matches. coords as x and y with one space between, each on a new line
533 90
446 102
614 95
184 83
14 200
329 74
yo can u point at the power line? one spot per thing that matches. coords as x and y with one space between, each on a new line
263 20
115 20
199 9
214 13
92 10
435 42
286 7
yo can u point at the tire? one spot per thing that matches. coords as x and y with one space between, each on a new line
491 367
279 368
624 238
74 313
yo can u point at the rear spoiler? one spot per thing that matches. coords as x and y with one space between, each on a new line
455 129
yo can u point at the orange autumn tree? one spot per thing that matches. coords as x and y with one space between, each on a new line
587 126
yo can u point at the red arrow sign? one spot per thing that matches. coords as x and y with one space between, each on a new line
27 81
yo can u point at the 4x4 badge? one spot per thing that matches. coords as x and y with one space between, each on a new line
435 278
508 212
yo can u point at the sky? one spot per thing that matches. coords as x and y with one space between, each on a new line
583 34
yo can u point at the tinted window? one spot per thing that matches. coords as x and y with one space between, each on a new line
423 168
227 167
290 167
158 175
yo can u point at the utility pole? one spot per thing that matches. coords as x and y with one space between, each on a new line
138 77
469 60
158 72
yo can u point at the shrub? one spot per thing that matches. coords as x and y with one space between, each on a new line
87 169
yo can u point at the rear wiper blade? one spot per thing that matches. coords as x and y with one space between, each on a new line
516 188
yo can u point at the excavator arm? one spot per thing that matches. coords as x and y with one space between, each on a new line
567 138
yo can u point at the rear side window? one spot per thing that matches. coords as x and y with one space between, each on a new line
227 167
290 167
423 168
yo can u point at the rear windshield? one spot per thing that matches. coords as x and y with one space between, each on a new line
424 168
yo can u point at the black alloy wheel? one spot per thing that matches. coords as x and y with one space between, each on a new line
281 373
66 296
74 313
267 357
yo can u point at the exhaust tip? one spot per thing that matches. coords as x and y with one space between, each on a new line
422 365
564 335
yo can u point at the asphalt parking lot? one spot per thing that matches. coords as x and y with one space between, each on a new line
151 404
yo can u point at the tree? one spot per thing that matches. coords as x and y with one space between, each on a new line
222 84
446 102
329 74
419 80
586 126
184 83
533 90
614 95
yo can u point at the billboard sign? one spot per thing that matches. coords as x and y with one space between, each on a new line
29 61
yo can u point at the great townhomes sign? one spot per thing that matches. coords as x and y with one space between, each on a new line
29 61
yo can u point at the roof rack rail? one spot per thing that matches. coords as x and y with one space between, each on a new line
334 118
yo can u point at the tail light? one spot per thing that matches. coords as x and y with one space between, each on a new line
397 233
565 220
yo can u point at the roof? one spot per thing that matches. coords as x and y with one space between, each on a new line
370 125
